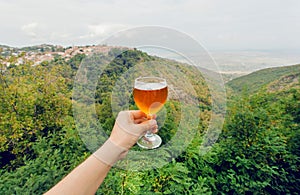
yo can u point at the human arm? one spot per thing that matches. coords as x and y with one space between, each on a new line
88 176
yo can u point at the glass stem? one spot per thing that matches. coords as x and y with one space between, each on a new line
148 134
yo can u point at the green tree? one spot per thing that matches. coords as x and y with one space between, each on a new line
35 101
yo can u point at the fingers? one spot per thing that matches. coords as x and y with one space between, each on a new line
137 118
148 125
155 129
140 120
153 116
137 114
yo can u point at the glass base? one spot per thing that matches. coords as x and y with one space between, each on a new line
149 143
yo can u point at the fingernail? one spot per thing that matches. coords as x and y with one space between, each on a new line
152 122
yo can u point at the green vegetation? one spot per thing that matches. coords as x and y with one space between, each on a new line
257 152
253 82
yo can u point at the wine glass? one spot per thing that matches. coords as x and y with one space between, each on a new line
150 94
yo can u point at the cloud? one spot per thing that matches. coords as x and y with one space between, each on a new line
103 30
30 29
231 24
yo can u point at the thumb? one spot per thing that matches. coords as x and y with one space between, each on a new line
147 125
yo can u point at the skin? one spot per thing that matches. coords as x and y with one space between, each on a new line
88 176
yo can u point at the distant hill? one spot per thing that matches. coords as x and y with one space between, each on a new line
42 48
4 46
269 79
34 48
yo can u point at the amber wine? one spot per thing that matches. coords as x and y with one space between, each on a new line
150 97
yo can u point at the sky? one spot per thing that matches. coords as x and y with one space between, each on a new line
217 24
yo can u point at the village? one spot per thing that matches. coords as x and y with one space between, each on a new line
41 53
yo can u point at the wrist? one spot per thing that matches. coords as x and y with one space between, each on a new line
123 138
109 153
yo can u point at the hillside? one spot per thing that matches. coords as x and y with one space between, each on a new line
38 122
285 82
255 81
54 115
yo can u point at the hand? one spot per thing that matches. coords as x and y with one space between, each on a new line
129 126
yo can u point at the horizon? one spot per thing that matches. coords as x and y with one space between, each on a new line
238 62
211 50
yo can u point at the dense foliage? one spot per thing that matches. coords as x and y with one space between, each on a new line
257 153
